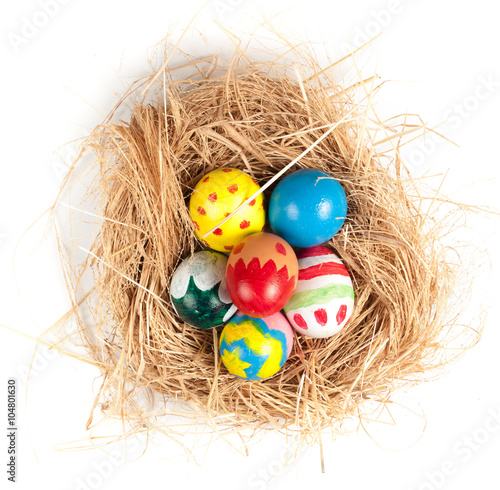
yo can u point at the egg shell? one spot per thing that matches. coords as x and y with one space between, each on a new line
261 274
255 348
307 208
198 290
323 300
216 195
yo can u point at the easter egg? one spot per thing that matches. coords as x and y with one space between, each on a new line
307 208
198 290
261 274
323 300
218 194
255 348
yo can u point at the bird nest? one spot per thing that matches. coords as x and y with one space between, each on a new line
258 117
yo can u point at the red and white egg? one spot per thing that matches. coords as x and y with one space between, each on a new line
261 274
323 300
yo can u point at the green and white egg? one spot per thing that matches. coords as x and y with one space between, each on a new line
198 290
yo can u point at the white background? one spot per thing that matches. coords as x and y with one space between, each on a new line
63 71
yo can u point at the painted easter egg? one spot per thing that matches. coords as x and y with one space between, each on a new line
218 194
198 290
261 274
323 300
255 348
307 207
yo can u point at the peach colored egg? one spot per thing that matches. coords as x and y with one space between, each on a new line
261 274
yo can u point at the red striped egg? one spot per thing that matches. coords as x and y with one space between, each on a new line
323 300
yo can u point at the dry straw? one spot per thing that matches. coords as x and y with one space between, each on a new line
258 117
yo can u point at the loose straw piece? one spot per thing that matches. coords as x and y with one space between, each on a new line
318 411
53 346
165 63
280 173
123 275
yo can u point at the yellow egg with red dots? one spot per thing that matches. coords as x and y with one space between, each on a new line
217 195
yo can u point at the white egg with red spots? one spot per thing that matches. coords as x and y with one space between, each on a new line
323 300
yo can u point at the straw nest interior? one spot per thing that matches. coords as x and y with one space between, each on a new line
258 117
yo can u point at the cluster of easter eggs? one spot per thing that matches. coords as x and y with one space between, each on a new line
271 283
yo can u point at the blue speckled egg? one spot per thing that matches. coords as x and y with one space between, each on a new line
307 207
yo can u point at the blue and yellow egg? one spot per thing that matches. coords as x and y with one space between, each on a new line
255 348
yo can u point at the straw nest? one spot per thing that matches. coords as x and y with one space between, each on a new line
258 117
